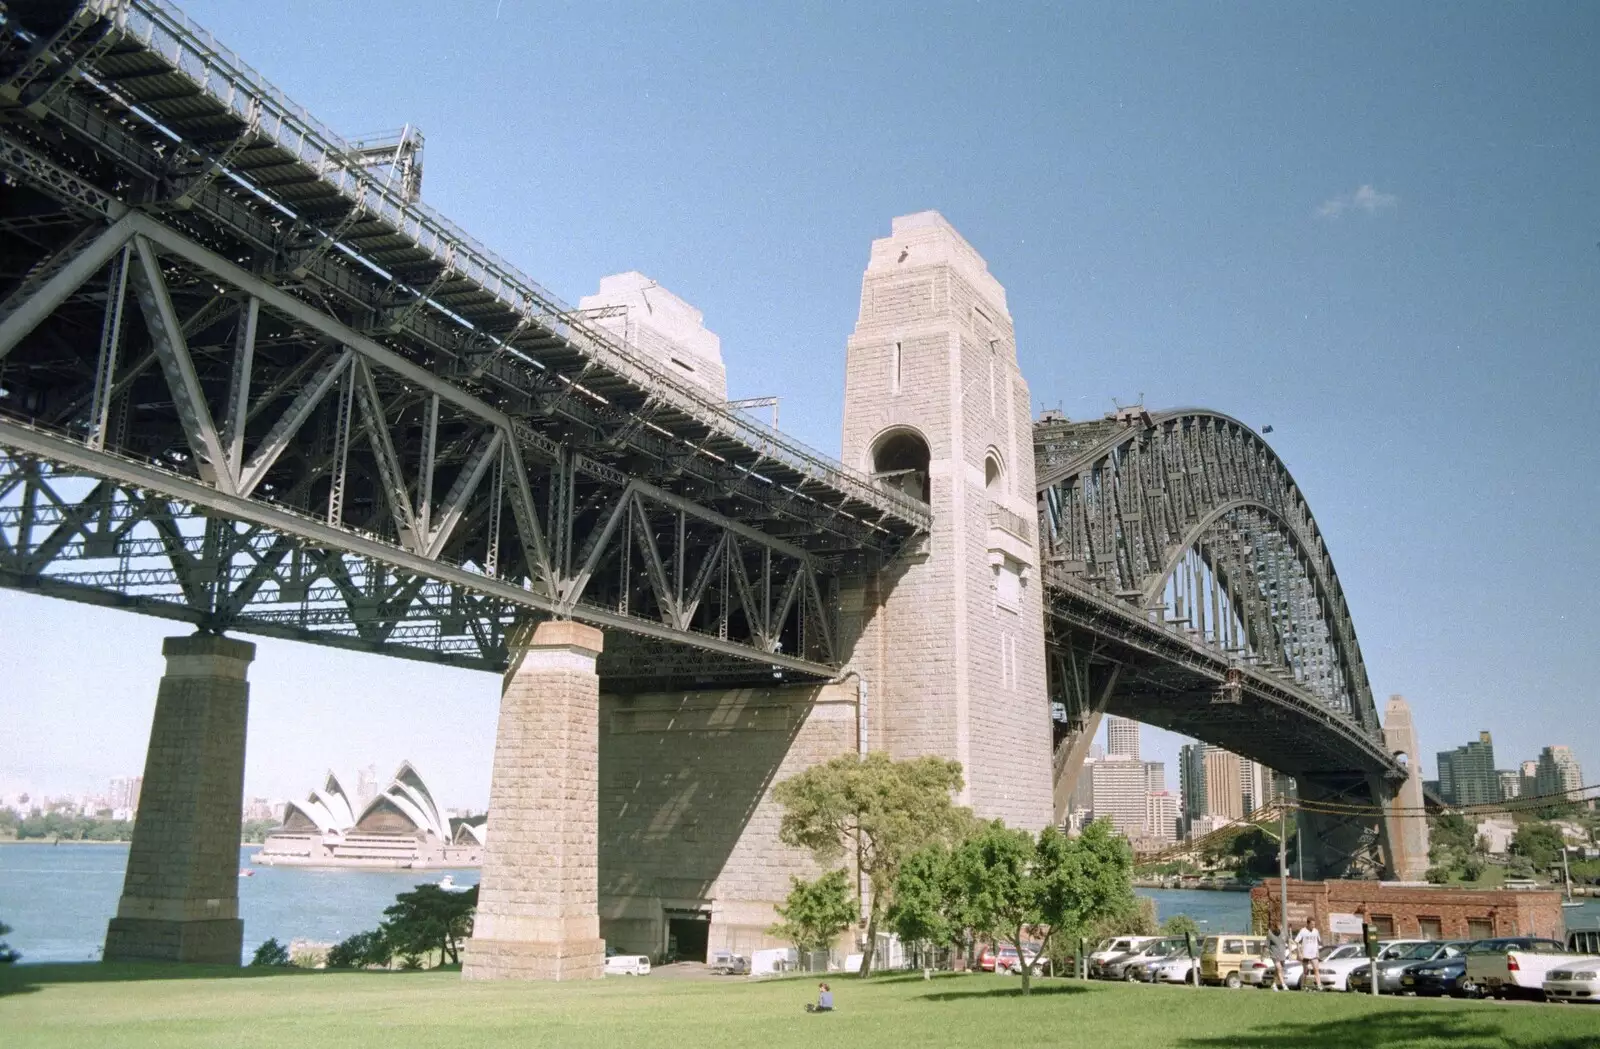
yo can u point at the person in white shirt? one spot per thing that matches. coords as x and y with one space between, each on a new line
1308 942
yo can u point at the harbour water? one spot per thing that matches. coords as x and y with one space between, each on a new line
58 898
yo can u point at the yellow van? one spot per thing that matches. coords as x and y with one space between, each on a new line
1222 956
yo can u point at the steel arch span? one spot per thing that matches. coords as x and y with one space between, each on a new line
1189 586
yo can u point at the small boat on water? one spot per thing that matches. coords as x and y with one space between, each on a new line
246 872
448 884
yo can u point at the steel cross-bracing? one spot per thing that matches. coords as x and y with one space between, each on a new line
249 380
1188 586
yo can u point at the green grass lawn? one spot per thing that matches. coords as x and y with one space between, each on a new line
80 1007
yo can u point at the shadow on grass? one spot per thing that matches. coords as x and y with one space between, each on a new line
1012 991
1391 1030
23 979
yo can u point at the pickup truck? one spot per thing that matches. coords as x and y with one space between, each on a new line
1514 966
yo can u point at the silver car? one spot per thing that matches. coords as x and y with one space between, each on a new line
1577 981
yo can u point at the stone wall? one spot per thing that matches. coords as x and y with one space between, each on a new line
687 821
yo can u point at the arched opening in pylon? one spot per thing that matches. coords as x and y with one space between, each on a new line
900 460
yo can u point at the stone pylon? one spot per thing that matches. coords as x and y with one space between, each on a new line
538 903
951 638
180 896
1405 828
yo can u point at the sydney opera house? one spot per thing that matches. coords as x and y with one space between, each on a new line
398 827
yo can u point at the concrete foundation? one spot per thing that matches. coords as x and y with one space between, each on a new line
180 896
538 913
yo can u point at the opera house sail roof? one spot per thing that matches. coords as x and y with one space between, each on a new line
400 826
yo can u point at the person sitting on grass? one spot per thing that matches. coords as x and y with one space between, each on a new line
824 1002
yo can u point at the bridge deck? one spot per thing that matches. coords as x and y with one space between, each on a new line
449 290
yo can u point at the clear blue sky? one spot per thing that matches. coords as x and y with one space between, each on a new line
1373 227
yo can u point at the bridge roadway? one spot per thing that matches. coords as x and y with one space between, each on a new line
414 442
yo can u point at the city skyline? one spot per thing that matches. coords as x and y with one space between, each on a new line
1349 225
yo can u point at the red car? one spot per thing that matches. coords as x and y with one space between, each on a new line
1001 958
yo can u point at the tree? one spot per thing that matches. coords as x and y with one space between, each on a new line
1180 925
8 954
271 953
1012 885
429 919
884 809
816 912
360 951
927 907
1539 843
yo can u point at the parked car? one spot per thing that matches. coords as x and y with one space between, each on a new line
1008 961
1392 970
1516 965
1442 976
726 963
1258 972
1115 947
1175 968
1127 966
1223 957
627 964
1334 967
1577 981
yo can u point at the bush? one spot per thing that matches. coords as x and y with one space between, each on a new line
7 954
360 951
271 953
1179 924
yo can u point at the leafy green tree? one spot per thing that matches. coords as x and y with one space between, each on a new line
1012 884
271 953
8 954
816 912
1539 843
256 831
1180 925
927 908
883 809
429 919
360 951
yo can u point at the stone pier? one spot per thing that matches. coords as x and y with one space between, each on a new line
538 903
180 896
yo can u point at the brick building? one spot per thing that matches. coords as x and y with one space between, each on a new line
1417 911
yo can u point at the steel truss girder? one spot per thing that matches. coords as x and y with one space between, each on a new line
475 355
135 537
1120 512
225 473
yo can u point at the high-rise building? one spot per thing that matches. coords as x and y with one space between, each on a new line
1191 783
1467 774
1510 783
1530 779
1120 788
1558 772
1251 789
1155 773
1122 737
1161 815
1224 781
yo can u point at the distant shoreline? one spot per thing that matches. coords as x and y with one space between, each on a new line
84 841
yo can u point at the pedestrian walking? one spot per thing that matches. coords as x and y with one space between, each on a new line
1308 941
1278 947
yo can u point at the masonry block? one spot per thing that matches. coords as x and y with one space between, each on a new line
180 895
538 899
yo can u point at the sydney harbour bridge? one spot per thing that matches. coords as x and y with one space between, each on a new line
251 382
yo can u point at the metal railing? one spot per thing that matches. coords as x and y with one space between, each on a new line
227 79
